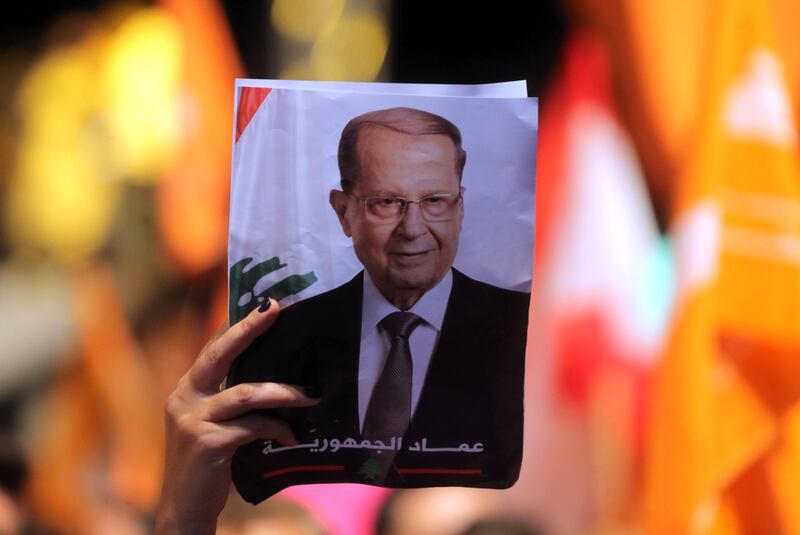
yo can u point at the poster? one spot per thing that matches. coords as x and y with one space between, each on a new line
395 226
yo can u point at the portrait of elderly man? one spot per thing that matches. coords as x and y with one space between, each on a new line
411 354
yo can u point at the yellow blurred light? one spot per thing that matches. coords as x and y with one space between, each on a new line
58 202
353 50
303 20
141 78
104 109
297 70
58 94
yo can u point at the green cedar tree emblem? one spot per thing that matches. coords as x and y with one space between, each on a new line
243 282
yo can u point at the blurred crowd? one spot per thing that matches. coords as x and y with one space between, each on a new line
663 384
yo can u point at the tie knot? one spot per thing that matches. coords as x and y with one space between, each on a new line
400 324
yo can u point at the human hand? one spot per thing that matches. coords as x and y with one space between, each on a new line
204 426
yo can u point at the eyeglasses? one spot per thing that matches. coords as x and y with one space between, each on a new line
436 207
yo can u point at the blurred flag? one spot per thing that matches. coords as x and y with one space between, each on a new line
105 402
660 68
724 454
192 198
600 303
658 51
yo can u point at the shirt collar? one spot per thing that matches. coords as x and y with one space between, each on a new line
430 307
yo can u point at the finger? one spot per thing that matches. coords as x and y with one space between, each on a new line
245 397
216 335
240 431
215 359
219 332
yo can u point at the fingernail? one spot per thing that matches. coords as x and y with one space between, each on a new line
313 392
265 305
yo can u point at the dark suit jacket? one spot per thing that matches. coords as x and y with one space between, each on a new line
472 393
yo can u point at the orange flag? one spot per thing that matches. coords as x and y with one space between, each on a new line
192 198
724 448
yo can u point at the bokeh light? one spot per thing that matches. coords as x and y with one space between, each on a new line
60 202
330 39
140 84
95 113
302 20
353 50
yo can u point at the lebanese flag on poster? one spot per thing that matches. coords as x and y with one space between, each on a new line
724 453
283 269
250 99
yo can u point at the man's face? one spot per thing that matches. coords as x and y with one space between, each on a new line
405 258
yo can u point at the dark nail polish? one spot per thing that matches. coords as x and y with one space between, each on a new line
313 392
265 305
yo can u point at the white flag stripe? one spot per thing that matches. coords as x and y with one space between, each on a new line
781 212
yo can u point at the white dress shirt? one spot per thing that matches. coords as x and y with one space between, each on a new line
375 344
